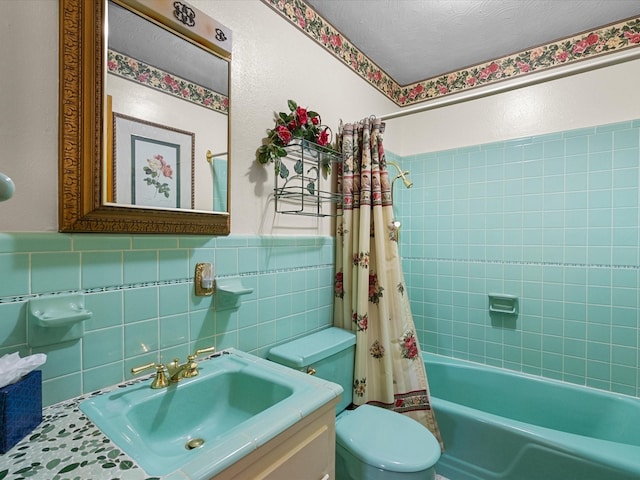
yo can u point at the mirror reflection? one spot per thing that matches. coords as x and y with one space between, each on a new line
166 118
132 158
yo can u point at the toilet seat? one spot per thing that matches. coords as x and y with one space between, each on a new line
387 440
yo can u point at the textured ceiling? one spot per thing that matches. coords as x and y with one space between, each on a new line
414 40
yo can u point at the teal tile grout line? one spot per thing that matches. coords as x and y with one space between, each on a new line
522 262
189 280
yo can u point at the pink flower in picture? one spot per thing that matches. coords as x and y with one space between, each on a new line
155 167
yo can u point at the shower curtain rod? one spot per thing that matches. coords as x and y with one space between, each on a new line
535 78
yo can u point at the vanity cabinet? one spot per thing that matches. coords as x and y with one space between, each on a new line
305 450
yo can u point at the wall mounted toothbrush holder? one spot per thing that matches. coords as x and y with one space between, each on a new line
229 292
55 319
503 303
204 280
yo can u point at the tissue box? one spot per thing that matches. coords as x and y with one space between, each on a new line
20 409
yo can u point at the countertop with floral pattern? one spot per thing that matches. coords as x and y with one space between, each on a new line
68 446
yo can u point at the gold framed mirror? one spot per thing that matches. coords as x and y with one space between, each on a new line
89 199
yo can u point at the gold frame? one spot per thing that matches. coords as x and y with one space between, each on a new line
81 142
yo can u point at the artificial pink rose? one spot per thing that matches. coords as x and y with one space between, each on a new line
284 134
323 137
315 120
301 116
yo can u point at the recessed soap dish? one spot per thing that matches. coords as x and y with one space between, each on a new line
503 303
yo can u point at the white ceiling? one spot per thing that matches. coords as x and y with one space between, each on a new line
414 40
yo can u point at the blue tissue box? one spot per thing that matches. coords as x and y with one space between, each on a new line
20 409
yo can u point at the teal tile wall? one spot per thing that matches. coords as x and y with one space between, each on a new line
553 219
140 290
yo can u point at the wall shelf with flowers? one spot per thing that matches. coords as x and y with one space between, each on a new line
299 147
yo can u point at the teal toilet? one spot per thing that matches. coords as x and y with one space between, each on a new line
371 443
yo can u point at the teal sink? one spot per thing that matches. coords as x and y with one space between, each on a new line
204 424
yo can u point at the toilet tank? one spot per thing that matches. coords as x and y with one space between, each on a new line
330 353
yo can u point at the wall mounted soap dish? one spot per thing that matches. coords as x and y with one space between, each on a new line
503 303
228 293
56 318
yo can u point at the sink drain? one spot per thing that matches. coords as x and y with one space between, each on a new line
194 443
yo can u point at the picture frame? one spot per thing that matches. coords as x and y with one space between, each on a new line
152 165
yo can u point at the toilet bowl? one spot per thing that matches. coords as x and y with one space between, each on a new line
371 443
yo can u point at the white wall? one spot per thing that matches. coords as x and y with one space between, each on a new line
29 114
272 62
598 97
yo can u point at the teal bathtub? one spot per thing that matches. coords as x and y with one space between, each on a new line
499 424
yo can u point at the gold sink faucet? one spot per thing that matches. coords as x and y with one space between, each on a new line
174 369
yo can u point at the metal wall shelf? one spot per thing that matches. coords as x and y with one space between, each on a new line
303 186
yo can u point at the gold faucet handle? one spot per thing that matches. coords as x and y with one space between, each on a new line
142 368
192 358
192 370
160 380
204 350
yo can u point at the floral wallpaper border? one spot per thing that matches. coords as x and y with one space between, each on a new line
608 39
131 69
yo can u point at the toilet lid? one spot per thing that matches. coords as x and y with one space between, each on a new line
387 440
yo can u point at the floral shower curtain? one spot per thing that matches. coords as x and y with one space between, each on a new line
370 293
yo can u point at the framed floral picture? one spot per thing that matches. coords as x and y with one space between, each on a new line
152 164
